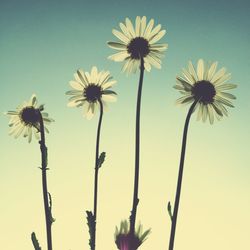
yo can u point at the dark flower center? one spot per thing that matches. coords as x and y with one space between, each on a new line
204 91
126 241
30 116
138 48
92 92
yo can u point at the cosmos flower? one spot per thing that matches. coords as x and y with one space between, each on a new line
136 42
26 119
125 241
89 89
207 86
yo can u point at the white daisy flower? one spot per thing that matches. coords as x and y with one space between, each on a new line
208 86
138 42
26 119
91 88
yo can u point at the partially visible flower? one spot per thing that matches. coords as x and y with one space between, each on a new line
26 119
136 42
125 241
89 89
208 87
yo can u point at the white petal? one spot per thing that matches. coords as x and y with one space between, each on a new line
116 45
143 25
130 27
190 79
19 131
76 85
210 114
154 62
154 32
88 77
29 134
149 28
211 71
200 70
137 25
157 37
192 70
218 75
125 31
227 95
108 84
223 101
159 46
104 77
126 65
222 79
204 113
120 36
12 113
81 77
120 56
72 104
226 86
33 100
147 64
109 98
94 74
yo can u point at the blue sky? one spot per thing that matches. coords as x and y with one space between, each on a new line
42 44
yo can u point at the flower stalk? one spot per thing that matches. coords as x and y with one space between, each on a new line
47 206
97 166
180 175
137 151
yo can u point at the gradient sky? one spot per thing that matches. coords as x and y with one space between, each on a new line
42 43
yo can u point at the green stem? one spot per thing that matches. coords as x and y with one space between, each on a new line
96 167
179 182
48 216
137 152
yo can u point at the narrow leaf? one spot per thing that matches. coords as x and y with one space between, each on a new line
170 211
35 242
101 159
91 224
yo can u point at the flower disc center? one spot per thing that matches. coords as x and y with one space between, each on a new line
92 92
204 91
30 116
138 47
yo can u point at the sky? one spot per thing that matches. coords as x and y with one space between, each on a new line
42 44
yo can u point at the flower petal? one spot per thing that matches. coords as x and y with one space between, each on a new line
117 45
120 36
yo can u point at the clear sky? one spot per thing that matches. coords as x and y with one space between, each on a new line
42 43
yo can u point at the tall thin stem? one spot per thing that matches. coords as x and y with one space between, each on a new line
137 151
96 165
179 182
47 208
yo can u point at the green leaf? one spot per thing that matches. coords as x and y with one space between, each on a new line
35 242
101 159
50 209
144 235
170 211
91 224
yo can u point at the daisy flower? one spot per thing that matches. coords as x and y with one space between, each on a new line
26 119
123 239
207 86
204 88
89 89
138 42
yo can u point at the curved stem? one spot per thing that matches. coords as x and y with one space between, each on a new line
47 208
96 165
137 151
179 182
